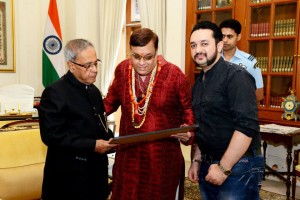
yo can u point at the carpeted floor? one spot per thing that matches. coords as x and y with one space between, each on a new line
192 193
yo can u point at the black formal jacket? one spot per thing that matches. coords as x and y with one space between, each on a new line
69 114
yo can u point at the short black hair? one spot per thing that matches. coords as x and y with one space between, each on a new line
233 24
141 37
217 34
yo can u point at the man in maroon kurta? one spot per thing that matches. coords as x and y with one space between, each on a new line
154 95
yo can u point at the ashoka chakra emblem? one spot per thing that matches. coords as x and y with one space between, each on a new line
52 44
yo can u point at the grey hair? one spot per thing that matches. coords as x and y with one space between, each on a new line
74 47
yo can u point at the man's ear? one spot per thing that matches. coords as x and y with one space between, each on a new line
70 66
239 36
220 46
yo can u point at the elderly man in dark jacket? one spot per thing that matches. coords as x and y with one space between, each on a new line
73 126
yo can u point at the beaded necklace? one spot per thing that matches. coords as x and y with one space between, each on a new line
139 108
143 91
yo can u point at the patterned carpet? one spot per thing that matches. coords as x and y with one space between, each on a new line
192 193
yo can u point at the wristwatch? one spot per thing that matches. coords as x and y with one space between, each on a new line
225 171
197 161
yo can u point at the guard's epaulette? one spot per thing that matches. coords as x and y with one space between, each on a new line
251 58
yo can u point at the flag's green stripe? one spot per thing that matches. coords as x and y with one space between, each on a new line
49 73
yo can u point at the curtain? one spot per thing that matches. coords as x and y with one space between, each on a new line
110 32
153 16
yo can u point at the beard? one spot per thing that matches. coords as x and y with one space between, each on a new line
209 61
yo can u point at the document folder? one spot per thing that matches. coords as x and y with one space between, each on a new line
150 136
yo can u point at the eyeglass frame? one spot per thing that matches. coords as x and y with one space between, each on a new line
139 58
88 66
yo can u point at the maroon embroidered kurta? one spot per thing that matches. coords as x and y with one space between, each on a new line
150 170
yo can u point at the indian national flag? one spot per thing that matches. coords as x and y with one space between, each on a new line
53 58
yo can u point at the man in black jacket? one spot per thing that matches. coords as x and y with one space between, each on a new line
73 126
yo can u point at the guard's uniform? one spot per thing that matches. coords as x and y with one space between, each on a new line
250 63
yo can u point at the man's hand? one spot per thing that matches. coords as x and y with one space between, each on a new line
193 172
103 146
215 175
184 137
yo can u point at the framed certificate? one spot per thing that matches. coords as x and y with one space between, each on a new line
150 136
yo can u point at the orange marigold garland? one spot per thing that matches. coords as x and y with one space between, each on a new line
140 108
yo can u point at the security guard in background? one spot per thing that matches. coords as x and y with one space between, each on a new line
231 30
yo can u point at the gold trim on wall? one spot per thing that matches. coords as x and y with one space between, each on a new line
7 50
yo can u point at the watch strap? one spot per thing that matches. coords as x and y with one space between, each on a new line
224 170
197 161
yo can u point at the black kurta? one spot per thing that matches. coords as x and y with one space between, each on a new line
69 122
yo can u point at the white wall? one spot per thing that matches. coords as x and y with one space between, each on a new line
77 19
176 20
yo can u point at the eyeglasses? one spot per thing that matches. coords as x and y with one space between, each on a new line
146 57
88 66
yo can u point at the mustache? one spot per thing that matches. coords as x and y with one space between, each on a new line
197 54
